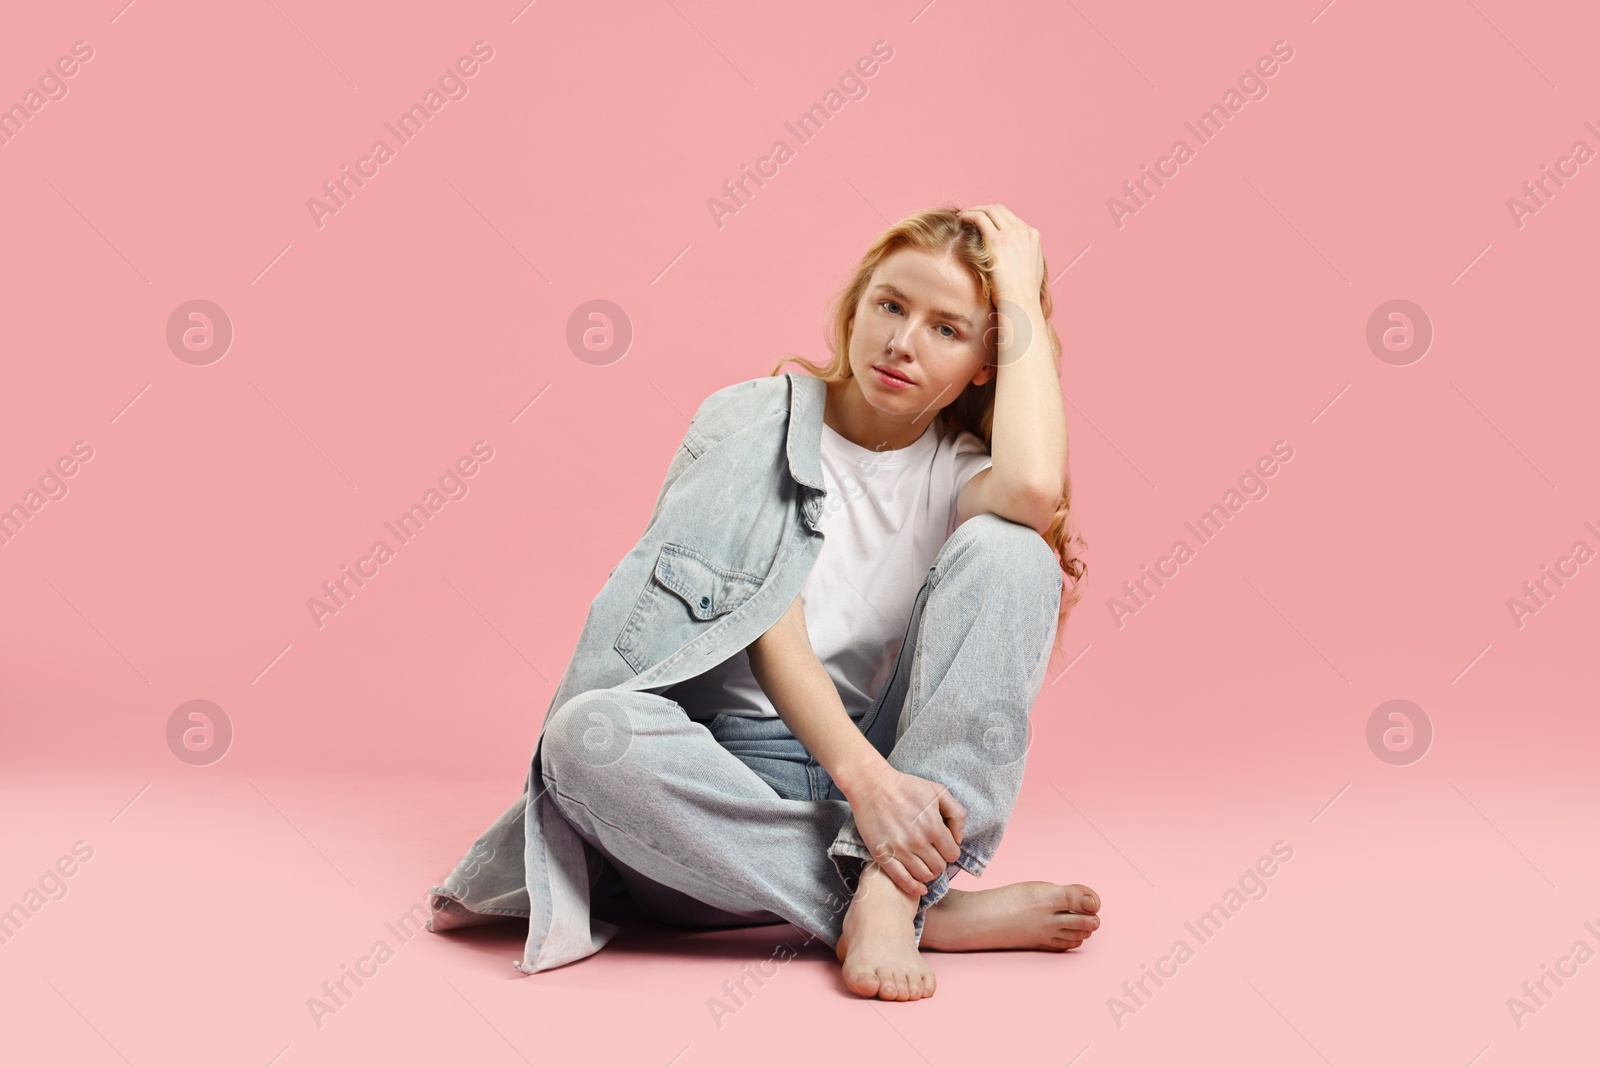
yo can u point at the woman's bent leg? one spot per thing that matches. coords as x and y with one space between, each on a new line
955 709
655 792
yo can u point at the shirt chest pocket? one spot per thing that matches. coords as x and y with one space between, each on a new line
685 595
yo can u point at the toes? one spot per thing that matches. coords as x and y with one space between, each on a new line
1080 898
1079 925
864 981
905 985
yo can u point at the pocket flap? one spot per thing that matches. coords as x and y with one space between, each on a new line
707 589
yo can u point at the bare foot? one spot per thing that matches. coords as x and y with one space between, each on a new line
879 947
1035 915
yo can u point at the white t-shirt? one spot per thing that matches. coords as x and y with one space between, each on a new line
884 519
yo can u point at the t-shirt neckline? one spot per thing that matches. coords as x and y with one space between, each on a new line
892 457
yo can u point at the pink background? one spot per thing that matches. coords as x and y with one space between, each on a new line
431 311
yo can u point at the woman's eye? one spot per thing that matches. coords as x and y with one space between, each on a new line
893 308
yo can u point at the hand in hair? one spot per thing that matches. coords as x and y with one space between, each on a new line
1018 251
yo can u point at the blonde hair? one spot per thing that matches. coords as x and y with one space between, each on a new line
942 232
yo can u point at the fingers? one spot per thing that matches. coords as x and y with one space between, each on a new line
931 857
915 862
947 844
897 873
945 841
979 218
915 849
954 815
993 219
920 866
997 215
1001 212
939 841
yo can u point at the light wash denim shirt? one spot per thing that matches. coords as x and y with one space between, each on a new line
729 544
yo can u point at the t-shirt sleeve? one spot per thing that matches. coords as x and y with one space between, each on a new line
970 458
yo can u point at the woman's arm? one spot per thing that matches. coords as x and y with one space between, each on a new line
1029 445
800 688
911 826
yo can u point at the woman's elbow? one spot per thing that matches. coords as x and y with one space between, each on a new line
1035 506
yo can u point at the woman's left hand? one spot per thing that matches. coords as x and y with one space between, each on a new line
1018 253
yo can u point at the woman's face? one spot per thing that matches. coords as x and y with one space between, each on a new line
923 321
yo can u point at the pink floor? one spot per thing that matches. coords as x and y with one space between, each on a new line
1416 902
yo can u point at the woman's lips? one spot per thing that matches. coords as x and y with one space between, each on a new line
890 379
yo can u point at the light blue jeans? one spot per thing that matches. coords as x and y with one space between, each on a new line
733 822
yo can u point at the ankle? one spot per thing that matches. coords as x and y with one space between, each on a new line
878 884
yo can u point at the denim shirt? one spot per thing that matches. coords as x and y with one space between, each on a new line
729 544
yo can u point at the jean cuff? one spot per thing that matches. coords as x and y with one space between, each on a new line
848 843
849 854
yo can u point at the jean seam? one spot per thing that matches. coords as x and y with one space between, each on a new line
446 893
869 718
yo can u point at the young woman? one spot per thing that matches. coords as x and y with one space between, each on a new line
833 745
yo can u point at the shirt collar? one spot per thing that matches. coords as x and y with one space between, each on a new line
807 399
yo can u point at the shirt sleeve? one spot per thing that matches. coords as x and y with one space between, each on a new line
970 458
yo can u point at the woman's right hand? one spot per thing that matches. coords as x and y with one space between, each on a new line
911 826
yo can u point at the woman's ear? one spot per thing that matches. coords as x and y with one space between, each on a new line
985 372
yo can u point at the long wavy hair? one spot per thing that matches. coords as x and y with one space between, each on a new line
941 232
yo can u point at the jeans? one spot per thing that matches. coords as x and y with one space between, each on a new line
732 822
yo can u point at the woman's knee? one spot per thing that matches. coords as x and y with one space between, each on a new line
1007 549
591 730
